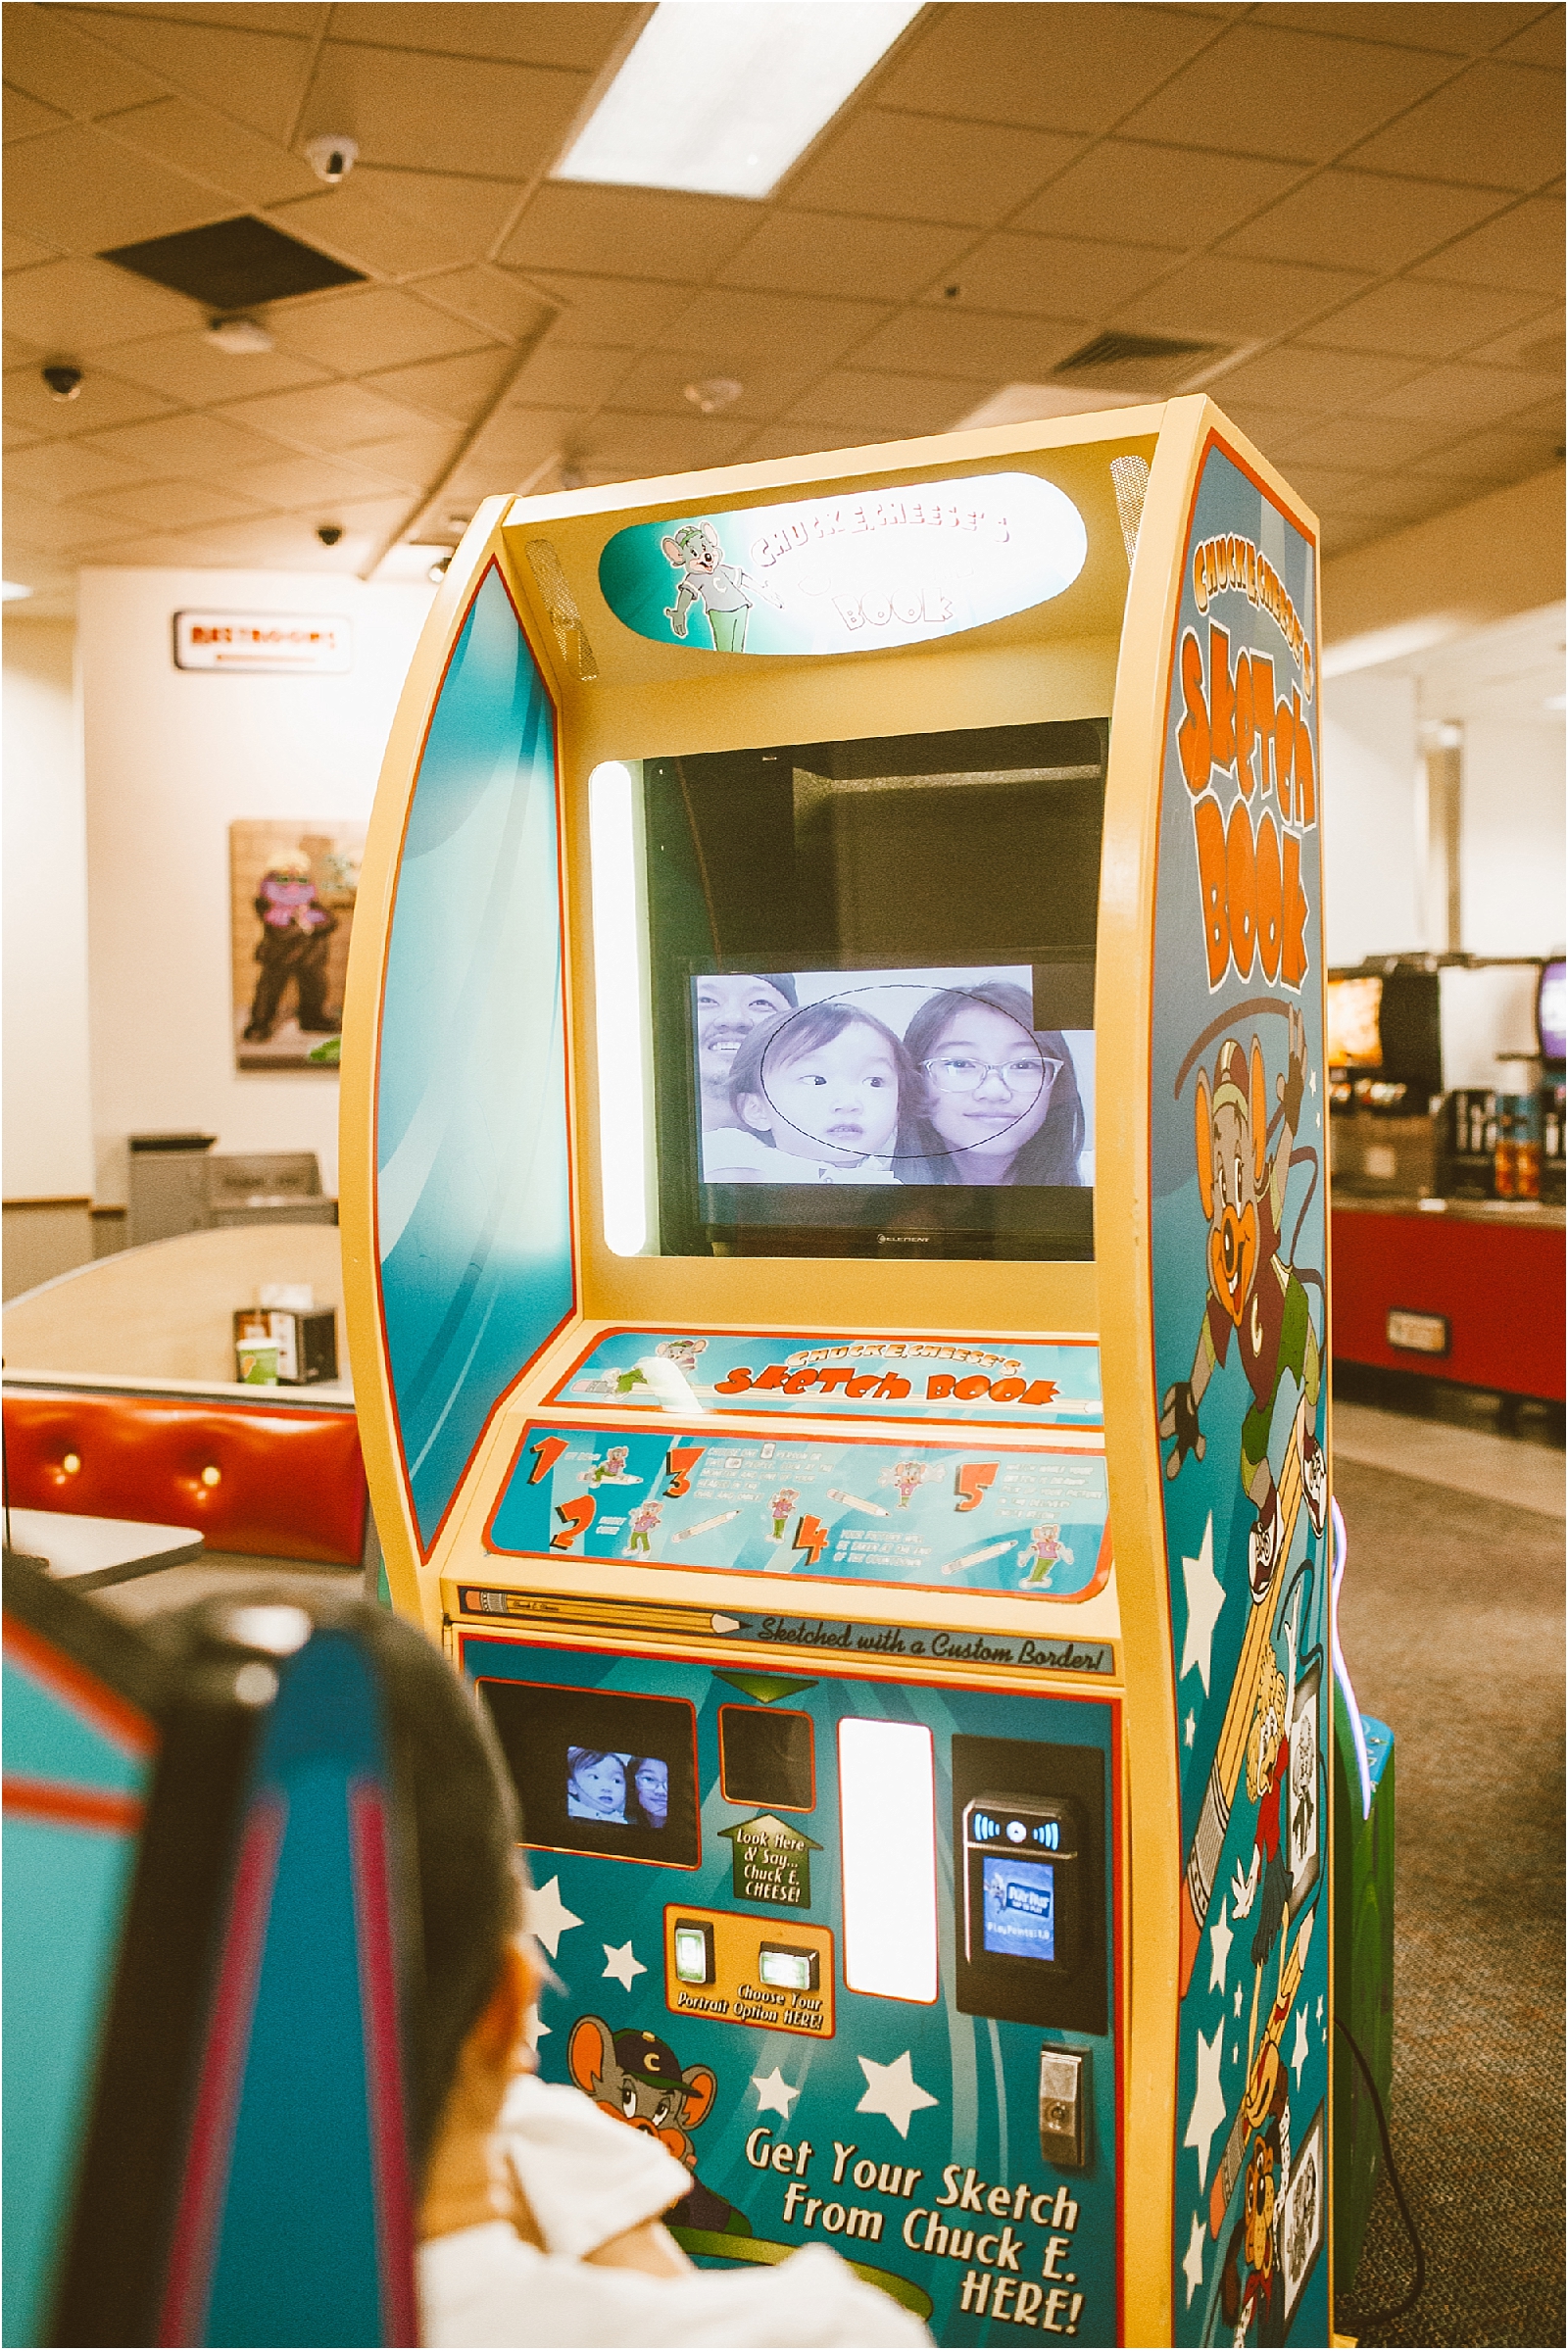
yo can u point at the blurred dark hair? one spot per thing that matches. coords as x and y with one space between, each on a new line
921 1156
790 1036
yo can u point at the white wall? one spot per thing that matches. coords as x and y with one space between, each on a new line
1512 843
1371 903
48 1129
173 757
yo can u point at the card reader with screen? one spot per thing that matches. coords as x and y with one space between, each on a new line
1022 1888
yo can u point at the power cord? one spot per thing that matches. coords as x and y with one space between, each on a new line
1395 2310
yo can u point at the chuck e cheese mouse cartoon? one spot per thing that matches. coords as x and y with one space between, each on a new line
1255 1293
639 2077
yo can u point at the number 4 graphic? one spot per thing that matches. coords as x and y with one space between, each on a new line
973 1479
809 1537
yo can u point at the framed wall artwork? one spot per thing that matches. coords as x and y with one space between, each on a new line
292 884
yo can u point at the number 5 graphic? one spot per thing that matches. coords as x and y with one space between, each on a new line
973 1479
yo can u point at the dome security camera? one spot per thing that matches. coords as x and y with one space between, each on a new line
330 534
332 157
64 380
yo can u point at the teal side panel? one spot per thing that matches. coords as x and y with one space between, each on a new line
66 1888
893 2138
1238 1189
296 2260
472 1206
1363 1977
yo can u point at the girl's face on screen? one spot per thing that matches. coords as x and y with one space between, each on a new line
988 1086
601 1786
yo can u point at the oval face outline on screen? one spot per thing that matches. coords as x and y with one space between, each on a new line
847 574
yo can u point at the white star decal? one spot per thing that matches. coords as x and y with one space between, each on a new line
1206 1598
1320 2008
1208 2100
622 1962
546 1916
775 2094
1238 1999
1189 1728
1193 2260
1221 1936
1299 2048
534 2031
893 2090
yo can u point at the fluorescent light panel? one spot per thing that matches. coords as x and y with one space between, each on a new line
619 1001
718 97
888 1822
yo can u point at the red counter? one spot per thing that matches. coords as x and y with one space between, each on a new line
1491 1271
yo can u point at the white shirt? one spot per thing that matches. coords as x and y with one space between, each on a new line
589 2178
725 1148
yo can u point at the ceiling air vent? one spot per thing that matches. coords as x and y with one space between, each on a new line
1139 363
233 265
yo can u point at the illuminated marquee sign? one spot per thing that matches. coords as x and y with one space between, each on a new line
294 642
848 575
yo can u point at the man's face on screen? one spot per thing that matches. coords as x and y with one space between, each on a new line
729 1005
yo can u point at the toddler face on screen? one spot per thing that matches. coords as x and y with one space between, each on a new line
822 1084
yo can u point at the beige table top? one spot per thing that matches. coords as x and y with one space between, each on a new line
89 1551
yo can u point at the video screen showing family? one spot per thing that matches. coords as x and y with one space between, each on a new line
1018 1900
617 1790
945 1075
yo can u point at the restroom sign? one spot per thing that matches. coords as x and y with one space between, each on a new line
295 644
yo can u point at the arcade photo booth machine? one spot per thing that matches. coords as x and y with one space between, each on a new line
833 1207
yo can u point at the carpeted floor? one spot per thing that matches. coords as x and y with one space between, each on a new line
1452 1623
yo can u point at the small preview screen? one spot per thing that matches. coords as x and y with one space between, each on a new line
1019 1899
617 1790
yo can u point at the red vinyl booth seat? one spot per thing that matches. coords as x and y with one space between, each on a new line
280 1483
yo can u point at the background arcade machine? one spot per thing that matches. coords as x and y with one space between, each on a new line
833 1207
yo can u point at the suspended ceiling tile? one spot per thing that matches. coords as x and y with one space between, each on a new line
48 528
1500 455
189 448
1470 395
162 551
614 232
446 113
1541 417
1411 318
1521 248
175 505
353 223
658 382
566 33
373 327
883 407
307 481
1495 127
103 400
1276 431
1538 348
255 76
835 253
1362 222
412 459
1383 441
470 213
493 298
640 446
1458 26
457 388
196 140
915 168
78 188
12 436
571 375
187 367
977 346
328 416
23 252
728 327
46 55
68 470
18 349
785 440
1298 376
1056 68
613 311
1241 301
1285 93
24 117
514 442
1541 43
1053 277
1177 196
